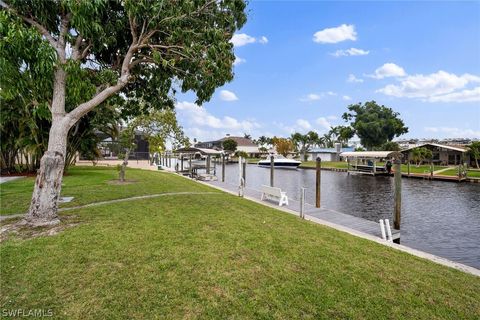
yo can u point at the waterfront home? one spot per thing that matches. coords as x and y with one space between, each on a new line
441 154
243 144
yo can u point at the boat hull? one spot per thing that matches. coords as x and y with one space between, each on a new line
279 165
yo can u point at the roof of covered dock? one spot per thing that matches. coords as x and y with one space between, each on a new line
371 154
202 151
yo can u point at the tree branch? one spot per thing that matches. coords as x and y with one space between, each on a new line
122 81
53 42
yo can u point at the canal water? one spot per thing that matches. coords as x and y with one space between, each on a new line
442 218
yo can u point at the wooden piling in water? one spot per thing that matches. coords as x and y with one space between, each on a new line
398 196
190 165
208 164
181 162
272 170
223 167
244 171
318 182
170 160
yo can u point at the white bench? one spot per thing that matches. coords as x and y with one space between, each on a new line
274 193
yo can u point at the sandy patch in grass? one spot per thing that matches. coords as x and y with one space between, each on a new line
19 229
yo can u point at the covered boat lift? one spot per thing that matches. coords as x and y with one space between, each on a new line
366 162
198 159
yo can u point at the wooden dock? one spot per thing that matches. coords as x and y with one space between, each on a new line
355 223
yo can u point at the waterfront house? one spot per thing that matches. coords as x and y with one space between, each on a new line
243 144
441 154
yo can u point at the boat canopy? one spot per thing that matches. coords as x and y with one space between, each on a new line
371 154
202 151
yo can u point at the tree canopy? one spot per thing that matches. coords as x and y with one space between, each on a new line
374 124
229 145
304 142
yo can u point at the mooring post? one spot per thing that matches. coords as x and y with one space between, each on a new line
181 162
431 169
170 160
302 202
190 171
272 170
398 196
215 166
408 166
223 167
208 164
244 171
318 182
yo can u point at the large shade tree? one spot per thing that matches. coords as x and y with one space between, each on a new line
146 50
374 124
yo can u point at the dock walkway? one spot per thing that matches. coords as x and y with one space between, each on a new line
355 223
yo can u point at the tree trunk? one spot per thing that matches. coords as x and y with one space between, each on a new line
123 167
48 184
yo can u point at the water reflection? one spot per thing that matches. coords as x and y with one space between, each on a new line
442 218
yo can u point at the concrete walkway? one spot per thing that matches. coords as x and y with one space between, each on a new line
94 204
6 179
442 170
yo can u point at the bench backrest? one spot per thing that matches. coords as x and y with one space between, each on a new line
274 191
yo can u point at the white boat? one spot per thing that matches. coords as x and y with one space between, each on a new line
280 162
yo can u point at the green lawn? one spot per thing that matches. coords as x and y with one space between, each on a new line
325 164
454 172
424 168
218 256
93 184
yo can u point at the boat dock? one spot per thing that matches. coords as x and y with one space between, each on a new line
371 228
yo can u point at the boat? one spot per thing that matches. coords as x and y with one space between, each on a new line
280 162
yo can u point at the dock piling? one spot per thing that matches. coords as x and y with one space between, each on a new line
318 182
244 171
223 167
208 164
272 170
398 196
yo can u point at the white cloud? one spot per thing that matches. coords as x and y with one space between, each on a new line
238 61
460 96
304 124
311 97
324 123
436 87
263 40
346 98
352 78
317 96
241 39
226 95
454 132
194 115
388 70
337 34
350 52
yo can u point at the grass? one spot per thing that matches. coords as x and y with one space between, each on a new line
219 256
93 184
325 164
454 172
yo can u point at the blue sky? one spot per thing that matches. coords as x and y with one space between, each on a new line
300 64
